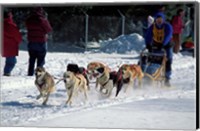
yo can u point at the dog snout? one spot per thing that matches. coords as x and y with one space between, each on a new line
37 74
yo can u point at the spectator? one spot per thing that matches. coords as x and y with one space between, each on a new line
177 24
147 23
38 27
159 36
150 20
11 40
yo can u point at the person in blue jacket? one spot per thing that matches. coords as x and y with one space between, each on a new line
159 36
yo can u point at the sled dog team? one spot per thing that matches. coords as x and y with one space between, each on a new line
76 79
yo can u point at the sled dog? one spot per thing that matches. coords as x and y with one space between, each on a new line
92 66
73 84
45 84
131 72
108 80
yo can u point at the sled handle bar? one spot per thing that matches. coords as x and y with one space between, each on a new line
152 53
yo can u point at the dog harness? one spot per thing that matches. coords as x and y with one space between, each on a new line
158 34
40 84
106 81
78 79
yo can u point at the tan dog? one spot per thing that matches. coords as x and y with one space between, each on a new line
130 72
45 84
91 67
73 84
103 79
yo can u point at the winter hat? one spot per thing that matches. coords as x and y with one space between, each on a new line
159 14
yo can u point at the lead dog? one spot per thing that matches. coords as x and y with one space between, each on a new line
44 83
73 84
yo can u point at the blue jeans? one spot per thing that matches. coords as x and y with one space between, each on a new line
10 64
33 56
169 52
37 52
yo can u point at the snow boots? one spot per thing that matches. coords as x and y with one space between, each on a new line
167 83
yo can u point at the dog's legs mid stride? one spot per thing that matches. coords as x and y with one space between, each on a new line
74 93
44 96
45 99
128 86
106 90
69 100
39 96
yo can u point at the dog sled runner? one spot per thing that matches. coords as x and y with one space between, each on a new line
153 64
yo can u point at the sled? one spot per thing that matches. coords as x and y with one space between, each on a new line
153 64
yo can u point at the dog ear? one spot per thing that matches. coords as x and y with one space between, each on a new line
100 70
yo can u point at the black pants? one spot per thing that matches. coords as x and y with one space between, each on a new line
33 56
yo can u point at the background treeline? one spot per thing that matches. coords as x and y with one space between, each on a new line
104 21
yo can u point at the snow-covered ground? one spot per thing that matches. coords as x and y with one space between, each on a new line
146 108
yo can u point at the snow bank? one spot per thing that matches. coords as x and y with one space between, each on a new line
124 44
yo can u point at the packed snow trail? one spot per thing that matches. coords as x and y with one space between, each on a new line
19 106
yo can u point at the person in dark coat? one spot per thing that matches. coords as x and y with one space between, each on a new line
159 35
11 40
38 28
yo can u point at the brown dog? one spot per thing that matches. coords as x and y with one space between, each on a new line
91 67
130 72
73 84
45 83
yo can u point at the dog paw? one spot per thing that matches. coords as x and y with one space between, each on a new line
67 105
44 103
38 97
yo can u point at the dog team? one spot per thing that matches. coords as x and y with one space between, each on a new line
76 79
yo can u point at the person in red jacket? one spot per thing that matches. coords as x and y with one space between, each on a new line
11 40
38 27
178 25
